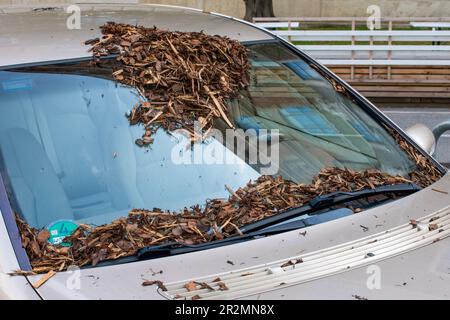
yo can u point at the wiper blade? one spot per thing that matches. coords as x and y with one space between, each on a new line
304 222
175 248
341 197
329 200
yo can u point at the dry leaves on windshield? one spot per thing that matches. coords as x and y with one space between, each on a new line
184 76
216 219
426 172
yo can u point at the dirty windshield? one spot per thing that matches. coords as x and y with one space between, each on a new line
68 151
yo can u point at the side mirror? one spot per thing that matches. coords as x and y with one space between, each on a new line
423 136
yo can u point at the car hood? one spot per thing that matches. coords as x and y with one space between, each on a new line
33 35
409 271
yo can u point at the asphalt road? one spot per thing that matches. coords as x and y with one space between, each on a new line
406 116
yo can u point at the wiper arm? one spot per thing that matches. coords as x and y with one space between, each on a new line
174 248
329 200
341 197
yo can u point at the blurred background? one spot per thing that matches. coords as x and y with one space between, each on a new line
292 8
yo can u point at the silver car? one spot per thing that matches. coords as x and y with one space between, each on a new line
68 154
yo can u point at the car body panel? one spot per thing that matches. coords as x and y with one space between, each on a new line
419 274
51 40
11 287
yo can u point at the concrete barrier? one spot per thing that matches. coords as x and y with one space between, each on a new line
295 8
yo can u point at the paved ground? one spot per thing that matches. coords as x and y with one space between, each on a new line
406 116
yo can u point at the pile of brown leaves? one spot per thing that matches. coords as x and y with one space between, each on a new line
185 76
426 172
217 219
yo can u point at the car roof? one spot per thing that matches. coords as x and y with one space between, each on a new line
39 34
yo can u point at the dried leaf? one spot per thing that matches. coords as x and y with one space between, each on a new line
43 236
204 285
222 286
440 191
433 226
154 282
177 231
43 279
292 262
191 286
177 72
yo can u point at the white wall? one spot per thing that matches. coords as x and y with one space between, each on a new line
296 8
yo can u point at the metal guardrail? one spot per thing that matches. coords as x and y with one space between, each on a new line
350 20
399 60
407 47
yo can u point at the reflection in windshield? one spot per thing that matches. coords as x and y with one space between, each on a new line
68 151
318 126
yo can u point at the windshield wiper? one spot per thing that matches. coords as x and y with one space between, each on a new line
174 248
273 225
323 202
340 197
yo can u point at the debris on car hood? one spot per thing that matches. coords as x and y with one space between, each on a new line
44 279
159 283
184 76
215 220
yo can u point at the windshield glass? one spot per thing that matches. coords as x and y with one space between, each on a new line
68 151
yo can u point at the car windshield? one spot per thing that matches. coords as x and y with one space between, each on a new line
69 152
